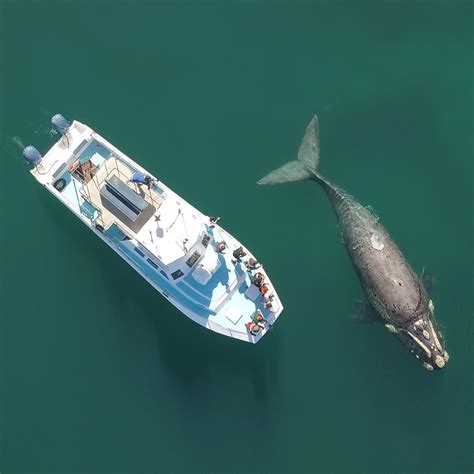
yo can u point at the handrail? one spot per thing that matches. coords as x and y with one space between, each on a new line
77 195
108 172
87 197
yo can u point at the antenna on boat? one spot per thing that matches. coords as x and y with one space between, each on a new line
176 218
186 239
61 125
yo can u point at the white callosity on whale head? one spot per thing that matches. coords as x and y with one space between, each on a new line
426 329
439 361
435 337
427 366
420 344
436 340
391 328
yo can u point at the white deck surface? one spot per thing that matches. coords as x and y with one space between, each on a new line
91 192
172 231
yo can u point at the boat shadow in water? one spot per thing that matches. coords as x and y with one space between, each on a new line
203 368
239 379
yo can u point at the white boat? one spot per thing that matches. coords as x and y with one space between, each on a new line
185 255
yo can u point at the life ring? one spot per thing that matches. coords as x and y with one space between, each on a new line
59 184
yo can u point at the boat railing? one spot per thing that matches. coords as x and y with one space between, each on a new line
243 336
84 193
108 173
126 233
120 173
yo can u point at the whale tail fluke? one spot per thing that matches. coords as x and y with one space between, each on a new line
307 165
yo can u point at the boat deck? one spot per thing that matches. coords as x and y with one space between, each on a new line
236 297
109 214
241 298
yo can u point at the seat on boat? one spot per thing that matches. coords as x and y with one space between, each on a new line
123 198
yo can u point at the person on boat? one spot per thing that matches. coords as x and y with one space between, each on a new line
238 255
264 289
257 317
148 181
221 246
269 306
253 328
268 296
214 220
140 178
258 279
252 264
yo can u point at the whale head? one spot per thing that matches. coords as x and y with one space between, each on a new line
424 340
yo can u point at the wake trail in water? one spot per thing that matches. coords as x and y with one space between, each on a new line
17 141
45 130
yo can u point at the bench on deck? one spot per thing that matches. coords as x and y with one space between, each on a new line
123 198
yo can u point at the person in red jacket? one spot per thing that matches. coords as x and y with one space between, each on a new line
253 328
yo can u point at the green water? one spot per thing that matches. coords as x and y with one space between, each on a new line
101 374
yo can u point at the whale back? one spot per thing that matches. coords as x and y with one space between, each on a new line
390 284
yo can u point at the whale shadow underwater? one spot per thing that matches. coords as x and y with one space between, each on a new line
394 292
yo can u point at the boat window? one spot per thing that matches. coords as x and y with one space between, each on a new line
139 251
177 274
193 259
152 263
164 274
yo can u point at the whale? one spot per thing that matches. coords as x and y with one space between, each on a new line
393 291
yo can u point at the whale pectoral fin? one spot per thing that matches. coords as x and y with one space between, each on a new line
428 280
363 312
